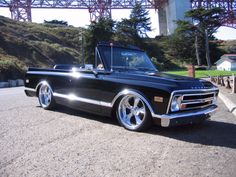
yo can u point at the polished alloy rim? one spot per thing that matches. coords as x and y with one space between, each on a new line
45 95
131 111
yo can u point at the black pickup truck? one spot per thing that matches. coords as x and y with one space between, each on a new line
124 83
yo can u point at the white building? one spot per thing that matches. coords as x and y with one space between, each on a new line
227 62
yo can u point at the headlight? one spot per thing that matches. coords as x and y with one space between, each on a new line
175 104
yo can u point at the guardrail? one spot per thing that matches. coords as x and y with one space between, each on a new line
228 82
12 83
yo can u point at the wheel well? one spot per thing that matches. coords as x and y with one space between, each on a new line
37 89
39 85
121 94
113 111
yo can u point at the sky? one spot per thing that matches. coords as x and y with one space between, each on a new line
81 18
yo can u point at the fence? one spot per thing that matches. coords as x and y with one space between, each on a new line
228 82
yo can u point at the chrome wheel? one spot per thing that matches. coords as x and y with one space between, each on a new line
132 112
45 96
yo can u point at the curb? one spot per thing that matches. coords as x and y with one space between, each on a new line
229 104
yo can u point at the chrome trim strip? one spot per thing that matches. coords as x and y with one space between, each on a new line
30 89
196 101
184 114
207 93
197 107
73 97
72 74
49 73
189 90
105 104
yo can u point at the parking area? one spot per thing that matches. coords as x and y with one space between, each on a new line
65 142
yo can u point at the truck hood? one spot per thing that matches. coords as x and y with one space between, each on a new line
170 81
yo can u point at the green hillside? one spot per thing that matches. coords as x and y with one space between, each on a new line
24 45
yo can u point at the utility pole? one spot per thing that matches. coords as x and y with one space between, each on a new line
83 59
81 38
207 50
197 50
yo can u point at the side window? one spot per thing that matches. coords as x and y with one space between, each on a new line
137 61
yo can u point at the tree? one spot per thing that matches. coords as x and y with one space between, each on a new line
206 22
125 34
56 22
132 30
187 30
140 20
179 46
97 32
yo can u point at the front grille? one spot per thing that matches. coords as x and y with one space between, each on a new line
195 101
190 97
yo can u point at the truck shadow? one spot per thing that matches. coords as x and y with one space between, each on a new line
211 133
86 115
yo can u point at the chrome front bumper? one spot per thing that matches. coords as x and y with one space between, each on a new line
182 118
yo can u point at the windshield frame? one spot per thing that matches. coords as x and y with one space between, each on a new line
107 60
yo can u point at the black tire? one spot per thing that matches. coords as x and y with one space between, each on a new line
134 116
45 97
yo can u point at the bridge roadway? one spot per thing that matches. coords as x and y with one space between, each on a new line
64 142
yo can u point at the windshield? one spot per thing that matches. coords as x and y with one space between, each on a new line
126 59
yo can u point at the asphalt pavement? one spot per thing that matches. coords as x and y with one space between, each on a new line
65 142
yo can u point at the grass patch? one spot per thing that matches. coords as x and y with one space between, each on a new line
204 73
